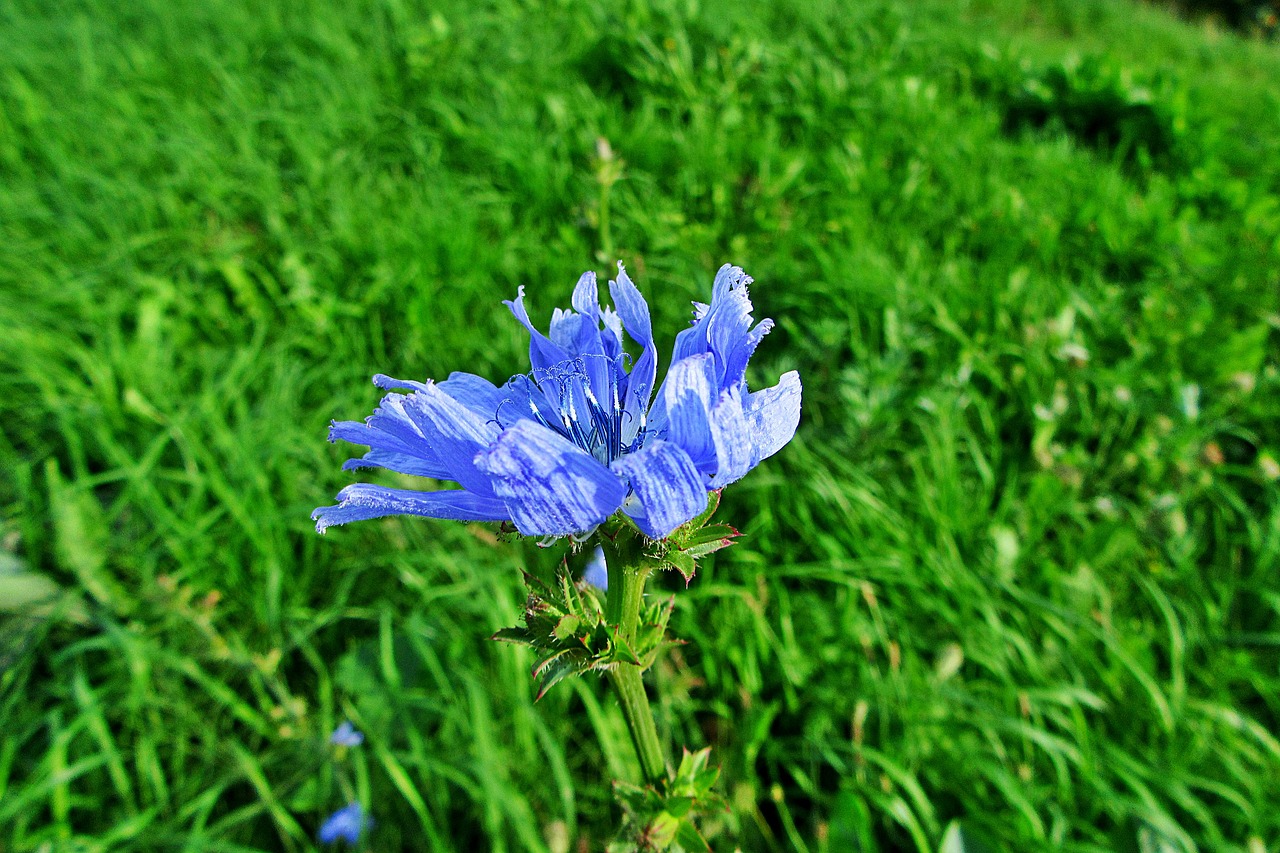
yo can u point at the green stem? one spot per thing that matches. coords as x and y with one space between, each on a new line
627 576
606 237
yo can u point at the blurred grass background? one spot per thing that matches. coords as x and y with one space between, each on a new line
1018 569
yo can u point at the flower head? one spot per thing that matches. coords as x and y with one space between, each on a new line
560 449
346 735
347 823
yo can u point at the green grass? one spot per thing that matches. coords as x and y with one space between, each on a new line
1019 568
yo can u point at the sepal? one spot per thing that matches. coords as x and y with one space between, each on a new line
694 540
565 626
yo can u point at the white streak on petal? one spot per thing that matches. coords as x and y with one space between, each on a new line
669 487
551 487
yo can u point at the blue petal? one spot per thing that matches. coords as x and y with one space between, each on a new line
579 335
734 442
454 432
736 358
542 352
392 443
346 823
634 312
581 331
709 425
401 462
723 328
696 339
476 393
586 297
550 486
611 337
346 735
427 433
596 571
686 397
668 487
729 317
362 501
774 414
388 383
570 331
395 441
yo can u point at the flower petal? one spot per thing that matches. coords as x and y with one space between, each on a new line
542 352
395 437
696 339
394 440
729 318
347 823
551 487
388 383
454 432
596 572
709 425
611 337
634 312
686 402
362 501
736 358
346 735
475 392
571 332
401 462
733 440
774 414
586 297
668 487
723 328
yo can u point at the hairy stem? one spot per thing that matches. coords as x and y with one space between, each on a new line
627 576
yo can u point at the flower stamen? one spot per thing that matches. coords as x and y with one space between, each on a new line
562 399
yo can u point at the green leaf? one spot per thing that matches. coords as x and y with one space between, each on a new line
957 839
661 831
31 594
679 806
713 535
541 667
692 763
705 548
682 563
689 838
80 538
557 671
514 635
1242 352
851 824
567 627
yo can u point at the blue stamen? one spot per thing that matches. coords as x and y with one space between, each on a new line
561 398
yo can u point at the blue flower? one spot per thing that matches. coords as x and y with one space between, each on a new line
596 572
346 735
346 823
562 448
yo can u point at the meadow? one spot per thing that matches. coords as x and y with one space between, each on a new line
1018 574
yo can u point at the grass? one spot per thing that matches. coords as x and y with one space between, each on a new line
1018 569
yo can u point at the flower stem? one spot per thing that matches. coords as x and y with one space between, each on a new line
627 576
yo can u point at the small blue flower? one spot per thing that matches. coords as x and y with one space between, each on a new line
347 823
560 449
596 572
346 735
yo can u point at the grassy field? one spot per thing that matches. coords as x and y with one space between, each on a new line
1019 569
